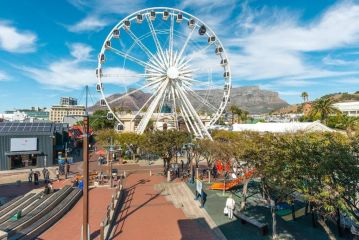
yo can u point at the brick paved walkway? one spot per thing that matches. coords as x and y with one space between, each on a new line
146 214
69 227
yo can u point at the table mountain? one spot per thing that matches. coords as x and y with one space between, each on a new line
253 99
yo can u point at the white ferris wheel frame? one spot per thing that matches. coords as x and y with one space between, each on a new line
190 116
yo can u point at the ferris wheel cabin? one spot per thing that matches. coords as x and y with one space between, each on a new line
98 72
127 25
108 44
139 18
191 23
219 50
110 116
224 62
202 30
99 87
165 15
116 33
102 102
152 15
211 39
119 127
179 18
102 57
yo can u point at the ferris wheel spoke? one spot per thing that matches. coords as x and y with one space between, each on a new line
161 105
184 45
134 91
198 82
185 116
171 39
155 38
183 62
201 99
148 100
135 60
146 118
191 112
203 129
174 106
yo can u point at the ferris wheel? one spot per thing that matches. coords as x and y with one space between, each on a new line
175 60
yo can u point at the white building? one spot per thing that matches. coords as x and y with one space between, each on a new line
14 117
289 127
348 108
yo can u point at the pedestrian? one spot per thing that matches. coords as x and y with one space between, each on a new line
47 176
203 198
43 172
68 168
47 189
31 173
57 174
214 171
182 165
51 188
36 178
230 204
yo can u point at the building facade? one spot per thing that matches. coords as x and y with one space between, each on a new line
348 108
68 101
25 145
57 113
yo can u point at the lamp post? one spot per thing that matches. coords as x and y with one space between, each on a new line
85 216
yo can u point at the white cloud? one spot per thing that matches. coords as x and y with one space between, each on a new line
15 40
90 23
3 76
80 51
99 12
276 47
73 73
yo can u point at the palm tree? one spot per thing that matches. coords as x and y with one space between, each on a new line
324 107
305 96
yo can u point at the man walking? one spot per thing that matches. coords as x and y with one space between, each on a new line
31 173
230 203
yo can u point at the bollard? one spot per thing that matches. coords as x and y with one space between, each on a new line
150 173
209 176
102 231
168 176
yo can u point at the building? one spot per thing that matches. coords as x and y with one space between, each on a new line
22 115
159 121
288 127
348 108
30 144
68 101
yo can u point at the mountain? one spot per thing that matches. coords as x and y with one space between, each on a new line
253 99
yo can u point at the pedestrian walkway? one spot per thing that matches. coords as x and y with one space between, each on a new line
69 227
147 214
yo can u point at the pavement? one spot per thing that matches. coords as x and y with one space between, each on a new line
69 227
147 214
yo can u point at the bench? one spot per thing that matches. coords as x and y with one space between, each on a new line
263 227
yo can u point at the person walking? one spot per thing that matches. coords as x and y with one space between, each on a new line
57 172
36 178
182 165
31 173
230 203
203 198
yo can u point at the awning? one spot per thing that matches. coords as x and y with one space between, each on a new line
22 153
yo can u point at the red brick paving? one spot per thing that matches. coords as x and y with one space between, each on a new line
148 215
69 227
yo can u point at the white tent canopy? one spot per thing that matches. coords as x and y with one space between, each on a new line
290 127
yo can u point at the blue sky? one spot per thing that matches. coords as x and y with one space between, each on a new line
49 49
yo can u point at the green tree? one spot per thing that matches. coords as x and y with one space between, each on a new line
98 121
323 107
165 143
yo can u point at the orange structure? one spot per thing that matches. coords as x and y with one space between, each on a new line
231 184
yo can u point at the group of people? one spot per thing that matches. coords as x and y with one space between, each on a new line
34 175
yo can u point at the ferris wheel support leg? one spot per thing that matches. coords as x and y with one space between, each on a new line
186 117
195 115
144 121
190 116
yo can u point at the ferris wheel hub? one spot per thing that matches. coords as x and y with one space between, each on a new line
172 72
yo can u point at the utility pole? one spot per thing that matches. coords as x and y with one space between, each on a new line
85 217
66 161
